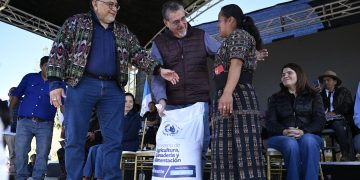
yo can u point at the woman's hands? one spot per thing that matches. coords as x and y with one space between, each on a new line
225 105
293 132
261 54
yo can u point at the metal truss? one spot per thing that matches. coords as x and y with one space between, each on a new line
26 21
199 7
131 86
3 4
320 14
192 11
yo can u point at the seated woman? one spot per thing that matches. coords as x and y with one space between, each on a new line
130 142
132 124
295 119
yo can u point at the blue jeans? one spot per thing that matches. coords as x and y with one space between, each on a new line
94 162
301 156
99 171
9 140
26 130
108 99
206 140
89 167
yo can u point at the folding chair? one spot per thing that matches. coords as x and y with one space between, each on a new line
127 161
143 158
128 157
330 133
276 166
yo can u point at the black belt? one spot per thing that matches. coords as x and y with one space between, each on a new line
101 77
34 119
246 77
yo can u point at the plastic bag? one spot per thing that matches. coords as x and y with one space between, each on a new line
179 143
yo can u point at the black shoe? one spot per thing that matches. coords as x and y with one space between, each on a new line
62 177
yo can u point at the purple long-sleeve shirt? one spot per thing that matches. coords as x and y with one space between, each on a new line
158 83
357 107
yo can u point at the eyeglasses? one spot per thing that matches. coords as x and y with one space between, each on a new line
177 22
111 4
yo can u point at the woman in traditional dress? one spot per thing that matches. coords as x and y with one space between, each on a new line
236 141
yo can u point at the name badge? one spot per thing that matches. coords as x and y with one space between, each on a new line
219 69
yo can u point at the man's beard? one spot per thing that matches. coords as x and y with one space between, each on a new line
183 34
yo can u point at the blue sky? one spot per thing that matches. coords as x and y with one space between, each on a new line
20 53
20 50
246 5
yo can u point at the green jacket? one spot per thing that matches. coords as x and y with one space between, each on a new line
71 48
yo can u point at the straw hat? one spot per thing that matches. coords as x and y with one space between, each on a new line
331 74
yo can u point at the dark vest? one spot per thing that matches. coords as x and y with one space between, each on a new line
188 57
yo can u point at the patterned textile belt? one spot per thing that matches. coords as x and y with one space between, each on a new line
34 119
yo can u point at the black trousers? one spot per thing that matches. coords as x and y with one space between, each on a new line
343 137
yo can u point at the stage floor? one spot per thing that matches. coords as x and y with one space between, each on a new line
341 170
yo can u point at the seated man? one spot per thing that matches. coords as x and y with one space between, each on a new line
93 136
152 124
338 105
32 163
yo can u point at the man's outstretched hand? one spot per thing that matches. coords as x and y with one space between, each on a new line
169 75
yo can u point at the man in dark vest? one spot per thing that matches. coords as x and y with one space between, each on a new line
184 49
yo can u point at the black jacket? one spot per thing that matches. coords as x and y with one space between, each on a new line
306 111
132 124
343 102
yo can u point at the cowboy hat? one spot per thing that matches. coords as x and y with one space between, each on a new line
331 74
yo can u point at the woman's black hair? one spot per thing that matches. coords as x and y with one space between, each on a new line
243 22
302 83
